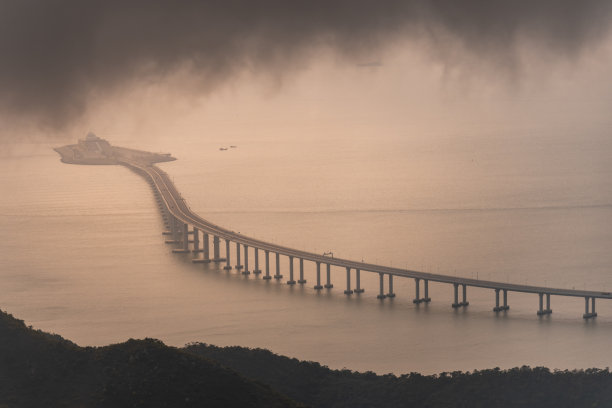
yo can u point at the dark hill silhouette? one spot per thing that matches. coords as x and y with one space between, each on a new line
39 369
43 370
318 386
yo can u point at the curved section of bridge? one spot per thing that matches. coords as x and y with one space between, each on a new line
179 218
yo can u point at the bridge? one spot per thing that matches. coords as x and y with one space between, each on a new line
178 219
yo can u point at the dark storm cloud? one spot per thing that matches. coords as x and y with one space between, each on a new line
53 53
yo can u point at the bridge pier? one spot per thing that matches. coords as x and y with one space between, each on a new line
185 235
238 265
358 288
497 307
205 247
216 250
381 293
290 281
301 281
228 265
196 240
256 271
246 260
318 285
457 304
179 230
418 299
267 277
173 227
168 223
348 290
174 232
328 285
506 307
592 313
390 294
543 311
278 276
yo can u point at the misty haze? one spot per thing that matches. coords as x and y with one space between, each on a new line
386 187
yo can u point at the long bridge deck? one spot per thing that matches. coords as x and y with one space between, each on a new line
179 212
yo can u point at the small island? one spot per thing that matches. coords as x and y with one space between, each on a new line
95 150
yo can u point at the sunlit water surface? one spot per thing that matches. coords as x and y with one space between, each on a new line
82 253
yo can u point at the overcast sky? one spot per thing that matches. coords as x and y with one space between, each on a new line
61 57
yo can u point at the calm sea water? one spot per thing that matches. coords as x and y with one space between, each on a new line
82 253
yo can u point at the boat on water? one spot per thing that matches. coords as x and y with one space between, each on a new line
223 148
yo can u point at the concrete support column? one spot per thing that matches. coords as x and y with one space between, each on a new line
267 277
238 265
318 285
456 303
329 285
205 246
381 293
496 308
173 226
301 280
418 299
196 240
185 237
506 307
174 229
543 311
592 313
196 246
290 281
227 266
278 275
184 234
166 220
256 271
169 224
391 294
348 290
216 250
246 260
358 288
465 302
